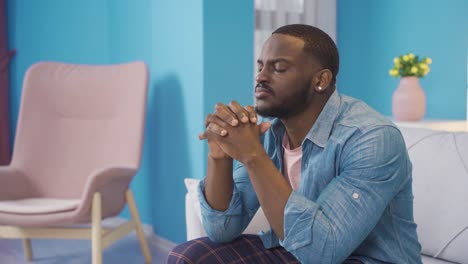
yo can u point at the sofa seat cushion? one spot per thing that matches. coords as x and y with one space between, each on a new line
429 260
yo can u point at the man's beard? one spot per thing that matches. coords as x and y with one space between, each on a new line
296 104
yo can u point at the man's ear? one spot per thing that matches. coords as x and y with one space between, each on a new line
323 80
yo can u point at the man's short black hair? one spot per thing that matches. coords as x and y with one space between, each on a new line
317 43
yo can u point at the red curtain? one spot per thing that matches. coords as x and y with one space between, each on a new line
5 56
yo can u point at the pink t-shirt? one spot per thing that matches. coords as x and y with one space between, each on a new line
292 163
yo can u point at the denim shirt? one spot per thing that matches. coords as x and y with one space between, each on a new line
355 196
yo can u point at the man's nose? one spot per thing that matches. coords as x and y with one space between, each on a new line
262 76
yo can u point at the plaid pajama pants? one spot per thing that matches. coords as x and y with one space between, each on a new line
246 249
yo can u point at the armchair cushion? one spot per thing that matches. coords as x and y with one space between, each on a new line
38 205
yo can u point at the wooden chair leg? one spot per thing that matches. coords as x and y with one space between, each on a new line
139 230
96 235
27 249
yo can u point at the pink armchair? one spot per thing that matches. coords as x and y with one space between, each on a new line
78 145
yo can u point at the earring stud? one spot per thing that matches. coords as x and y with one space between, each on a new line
320 88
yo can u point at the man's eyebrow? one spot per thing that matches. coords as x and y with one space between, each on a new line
273 61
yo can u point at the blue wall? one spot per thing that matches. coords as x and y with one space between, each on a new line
228 52
176 114
54 30
184 44
371 33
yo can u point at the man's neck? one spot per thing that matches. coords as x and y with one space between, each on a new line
299 125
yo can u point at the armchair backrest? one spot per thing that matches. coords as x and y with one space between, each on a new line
77 119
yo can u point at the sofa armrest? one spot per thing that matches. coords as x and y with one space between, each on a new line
193 214
194 225
258 223
440 169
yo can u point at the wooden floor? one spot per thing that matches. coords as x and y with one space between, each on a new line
58 251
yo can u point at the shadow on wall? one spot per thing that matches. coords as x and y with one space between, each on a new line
167 161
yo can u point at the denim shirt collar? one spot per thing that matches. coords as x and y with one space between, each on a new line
321 130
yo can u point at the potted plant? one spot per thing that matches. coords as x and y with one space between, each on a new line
409 99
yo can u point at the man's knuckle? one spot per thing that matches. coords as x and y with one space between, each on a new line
214 130
219 112
218 105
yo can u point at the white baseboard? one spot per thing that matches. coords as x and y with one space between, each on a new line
162 244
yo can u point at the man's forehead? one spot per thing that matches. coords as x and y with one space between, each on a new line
282 45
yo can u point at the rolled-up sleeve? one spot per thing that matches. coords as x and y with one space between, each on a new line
225 226
374 167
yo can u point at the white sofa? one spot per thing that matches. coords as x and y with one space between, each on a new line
440 185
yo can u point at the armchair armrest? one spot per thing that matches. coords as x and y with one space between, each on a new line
112 184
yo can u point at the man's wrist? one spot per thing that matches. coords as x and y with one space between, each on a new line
254 158
219 159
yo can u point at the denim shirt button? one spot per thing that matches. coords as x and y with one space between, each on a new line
356 196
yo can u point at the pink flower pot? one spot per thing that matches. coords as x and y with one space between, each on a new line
409 100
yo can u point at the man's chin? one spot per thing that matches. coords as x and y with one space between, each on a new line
264 111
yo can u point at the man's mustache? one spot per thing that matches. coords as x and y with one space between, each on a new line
264 87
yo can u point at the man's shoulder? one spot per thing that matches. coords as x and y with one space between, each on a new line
356 114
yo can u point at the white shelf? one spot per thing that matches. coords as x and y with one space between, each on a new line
447 125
